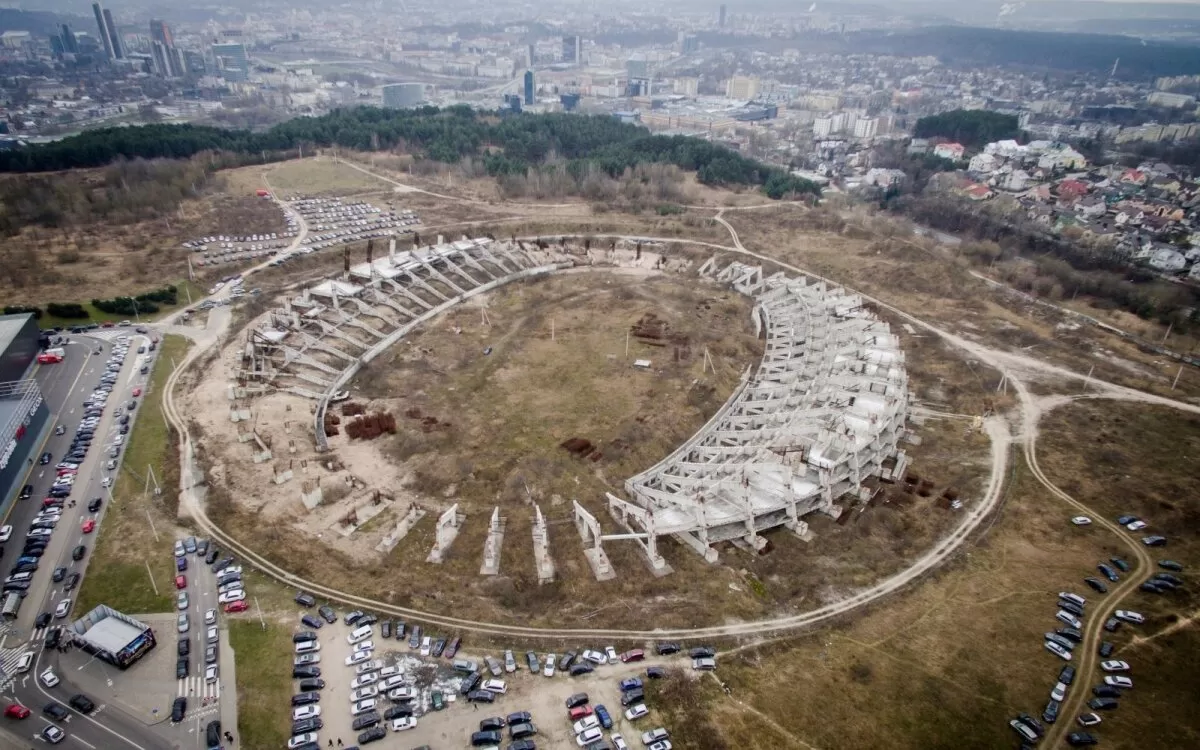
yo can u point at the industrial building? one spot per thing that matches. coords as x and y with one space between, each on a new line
112 636
403 95
24 417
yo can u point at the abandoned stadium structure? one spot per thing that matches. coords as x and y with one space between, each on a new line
823 413
806 430
321 338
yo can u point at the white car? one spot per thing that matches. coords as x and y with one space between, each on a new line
210 635
1081 520
25 662
1118 680
495 686
210 617
363 706
548 671
179 549
1058 650
5 533
584 724
181 601
231 596
592 735
39 532
404 722
311 711
302 739
234 586
1129 616
49 679
1135 525
370 678
619 742
406 693
425 646
358 657
369 666
390 671
106 482
367 646
637 711
1059 692
62 609
308 647
1114 666
183 622
594 657
611 653
210 673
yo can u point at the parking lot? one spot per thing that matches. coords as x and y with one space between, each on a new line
428 688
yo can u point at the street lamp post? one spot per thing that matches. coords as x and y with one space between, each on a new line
136 317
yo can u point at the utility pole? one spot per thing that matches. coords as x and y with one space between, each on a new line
1168 333
1175 382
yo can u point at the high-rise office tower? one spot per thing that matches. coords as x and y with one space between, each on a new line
231 61
572 49
721 18
111 26
69 42
528 88
105 38
160 32
167 60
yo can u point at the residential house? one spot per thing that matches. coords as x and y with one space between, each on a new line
1070 190
1134 177
918 146
952 151
983 164
1063 157
1016 180
978 192
1091 207
1007 149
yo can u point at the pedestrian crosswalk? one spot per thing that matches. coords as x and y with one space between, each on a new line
196 687
9 657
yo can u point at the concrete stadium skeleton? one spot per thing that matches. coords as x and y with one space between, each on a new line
1010 364
822 412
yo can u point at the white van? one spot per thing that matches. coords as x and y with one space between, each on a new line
359 635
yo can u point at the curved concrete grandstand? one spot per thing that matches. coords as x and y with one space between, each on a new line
819 418
319 340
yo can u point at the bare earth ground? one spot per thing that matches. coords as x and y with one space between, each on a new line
503 438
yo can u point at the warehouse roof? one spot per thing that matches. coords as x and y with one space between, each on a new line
10 326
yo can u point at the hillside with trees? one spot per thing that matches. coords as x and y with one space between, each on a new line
972 128
508 144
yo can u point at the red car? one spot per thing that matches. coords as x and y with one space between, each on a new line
89 526
635 655
181 582
579 712
238 606
16 711
137 391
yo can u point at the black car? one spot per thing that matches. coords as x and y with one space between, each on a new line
1050 715
663 649
656 673
1166 564
438 647
520 717
53 638
469 683
185 645
481 696
491 724
1112 624
212 733
42 620
1079 739
566 660
1032 723
312 622
1106 691
1121 564
82 703
305 600
26 492
311 684
72 582
1151 587
1102 704
1097 584
178 709
1067 675
212 556
1071 634
303 699
1168 578
1154 541
399 711
401 628
327 614
1106 649
220 565
385 629
374 734
1066 606
632 697
578 699
367 619
45 458
94 504
703 652
369 719
305 725
58 574
582 668
183 668
486 739
304 636
56 711
523 745
1108 572
202 548
306 671
78 552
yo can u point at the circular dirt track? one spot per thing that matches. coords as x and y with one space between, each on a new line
485 430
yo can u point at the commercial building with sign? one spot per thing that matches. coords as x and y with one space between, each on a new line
112 636
24 417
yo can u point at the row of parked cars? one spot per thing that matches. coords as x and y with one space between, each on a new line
1062 642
